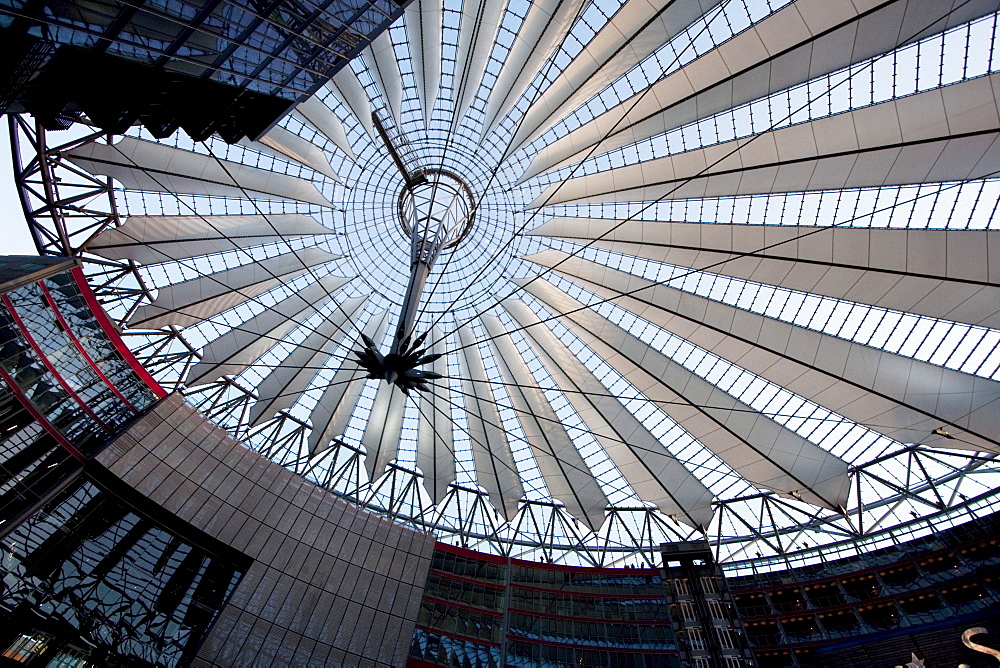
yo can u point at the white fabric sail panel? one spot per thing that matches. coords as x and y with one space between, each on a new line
937 273
547 23
902 398
190 302
945 134
286 145
335 406
423 28
384 68
240 347
156 239
654 474
802 41
567 476
346 87
966 158
636 31
289 378
321 117
385 424
478 32
435 443
495 469
143 165
761 450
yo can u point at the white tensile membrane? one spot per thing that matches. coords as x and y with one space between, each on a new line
536 204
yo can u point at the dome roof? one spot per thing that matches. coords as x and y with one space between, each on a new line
712 268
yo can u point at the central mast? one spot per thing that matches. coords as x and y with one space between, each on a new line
436 211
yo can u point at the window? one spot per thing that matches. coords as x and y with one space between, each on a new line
70 657
716 611
27 647
725 637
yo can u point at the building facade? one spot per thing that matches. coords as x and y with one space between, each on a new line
706 623
136 532
488 611
915 598
232 68
100 576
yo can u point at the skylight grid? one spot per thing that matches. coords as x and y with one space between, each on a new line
712 472
832 432
969 205
918 337
890 76
613 484
706 34
527 467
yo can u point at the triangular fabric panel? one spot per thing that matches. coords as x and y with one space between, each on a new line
336 404
544 27
286 145
638 29
238 348
800 42
281 388
760 449
385 423
346 87
381 59
156 239
480 21
323 119
652 472
423 28
190 302
903 398
495 469
937 273
435 442
143 165
945 134
566 474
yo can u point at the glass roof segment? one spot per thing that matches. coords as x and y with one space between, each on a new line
729 271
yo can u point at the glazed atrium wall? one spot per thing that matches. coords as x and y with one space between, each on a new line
916 597
486 610
136 532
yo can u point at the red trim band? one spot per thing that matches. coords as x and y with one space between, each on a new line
113 334
496 559
42 420
461 606
593 620
79 346
596 648
553 589
465 578
48 364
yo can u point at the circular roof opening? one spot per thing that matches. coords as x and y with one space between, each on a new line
437 198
